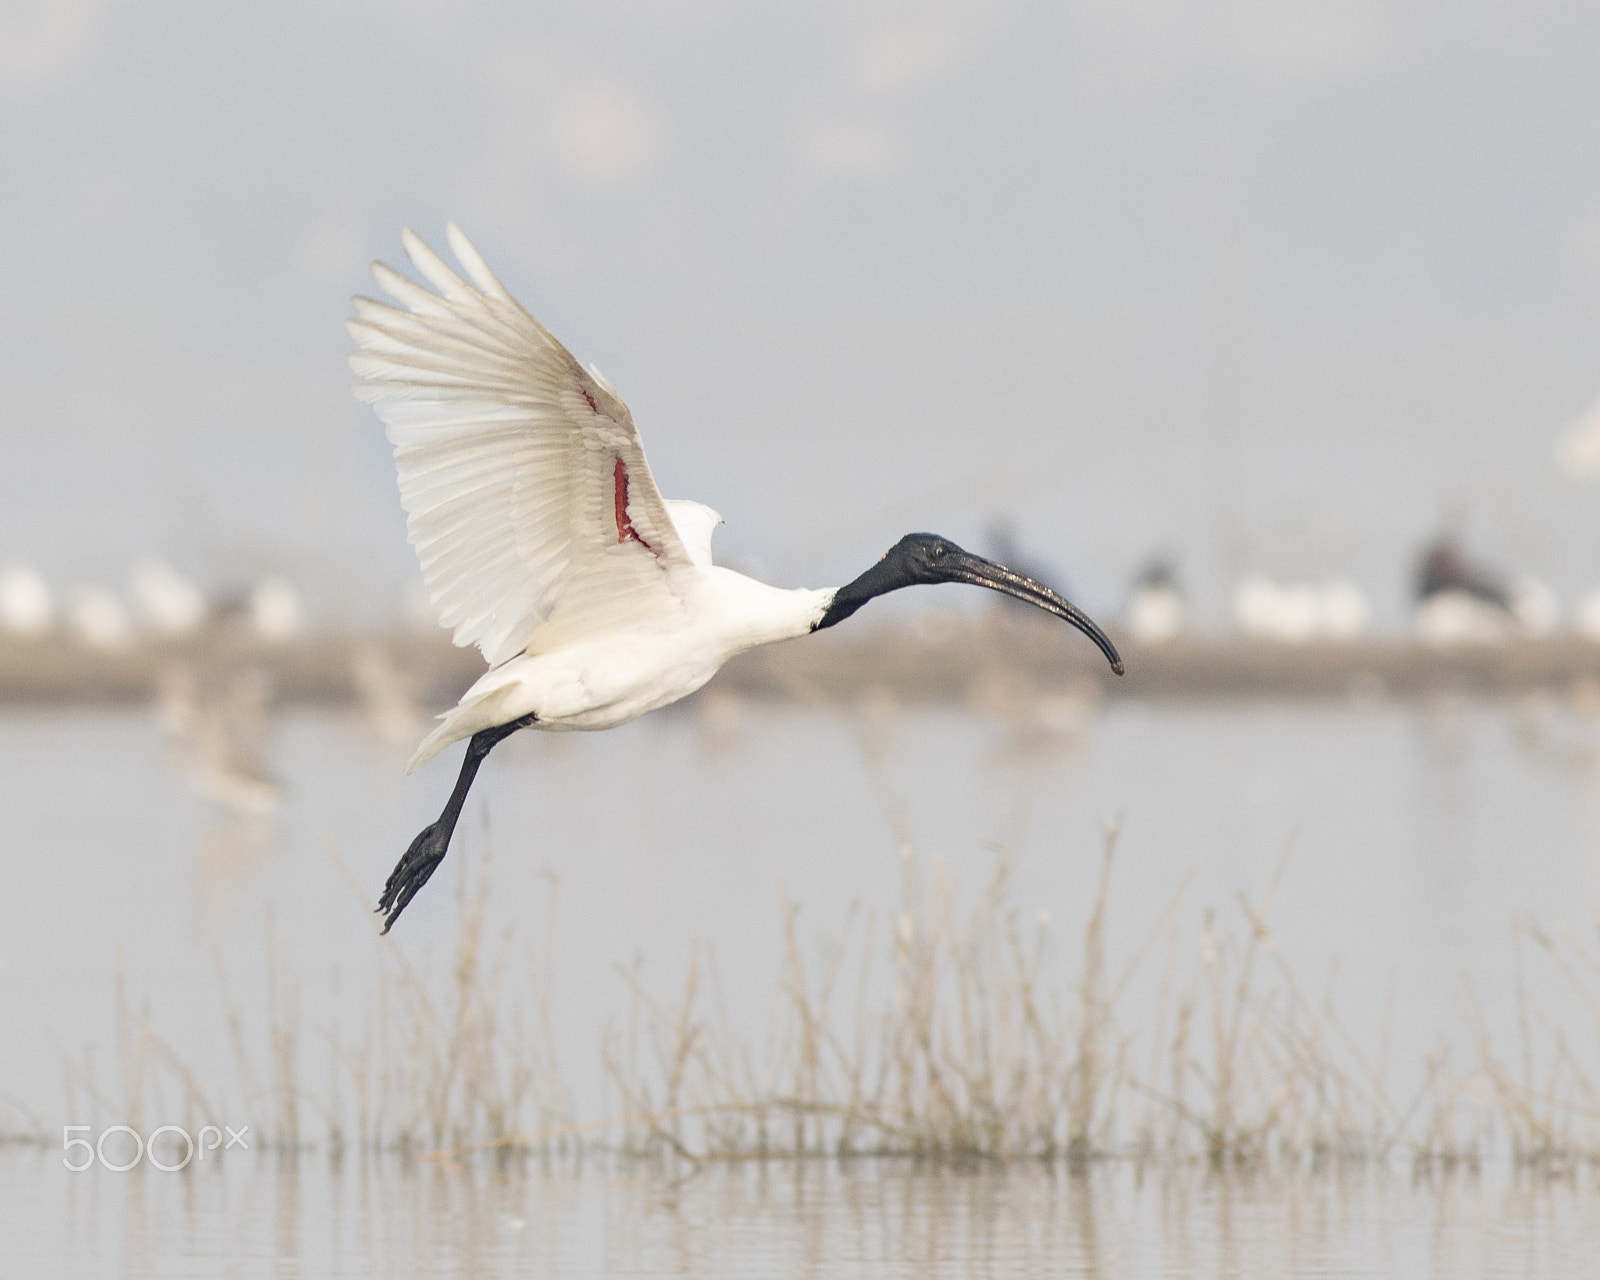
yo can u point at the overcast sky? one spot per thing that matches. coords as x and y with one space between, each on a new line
1267 285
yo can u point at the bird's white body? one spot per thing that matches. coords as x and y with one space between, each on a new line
542 536
608 679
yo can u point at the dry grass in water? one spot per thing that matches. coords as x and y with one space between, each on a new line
462 1058
959 1029
966 1034
983 1046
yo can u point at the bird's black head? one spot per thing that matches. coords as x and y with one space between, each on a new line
922 557
926 558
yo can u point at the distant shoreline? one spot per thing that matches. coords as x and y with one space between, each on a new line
990 662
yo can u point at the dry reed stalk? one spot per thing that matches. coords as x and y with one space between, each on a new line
1093 1017
1549 1109
283 1038
32 1131
132 1053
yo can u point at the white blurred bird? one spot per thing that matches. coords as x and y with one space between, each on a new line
167 603
544 540
26 606
1578 449
97 619
1299 612
275 610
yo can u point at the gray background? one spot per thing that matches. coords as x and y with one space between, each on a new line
1273 286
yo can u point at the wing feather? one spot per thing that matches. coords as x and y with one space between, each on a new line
506 450
469 258
446 281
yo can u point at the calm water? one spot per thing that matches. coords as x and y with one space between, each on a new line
1414 836
869 1218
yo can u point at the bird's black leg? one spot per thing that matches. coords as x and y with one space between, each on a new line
428 849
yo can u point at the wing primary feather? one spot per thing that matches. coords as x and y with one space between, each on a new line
456 291
440 353
476 267
494 376
468 314
426 330
433 267
420 300
400 326
392 370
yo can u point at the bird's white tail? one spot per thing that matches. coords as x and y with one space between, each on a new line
488 703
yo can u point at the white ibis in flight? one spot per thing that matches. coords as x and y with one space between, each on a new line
544 540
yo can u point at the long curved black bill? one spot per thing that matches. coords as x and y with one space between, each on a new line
986 573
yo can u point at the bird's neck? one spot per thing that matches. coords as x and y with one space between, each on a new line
885 576
756 613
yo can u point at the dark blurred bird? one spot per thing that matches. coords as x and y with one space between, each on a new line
1444 566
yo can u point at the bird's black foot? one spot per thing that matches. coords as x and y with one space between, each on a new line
428 849
412 871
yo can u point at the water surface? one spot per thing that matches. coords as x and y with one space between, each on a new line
1414 838
866 1218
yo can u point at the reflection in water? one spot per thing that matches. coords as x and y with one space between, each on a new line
259 1215
1446 792
230 848
387 695
286 1210
218 726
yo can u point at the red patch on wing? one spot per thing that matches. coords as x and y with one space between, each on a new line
593 408
625 529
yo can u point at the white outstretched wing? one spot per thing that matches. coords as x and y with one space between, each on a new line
525 485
